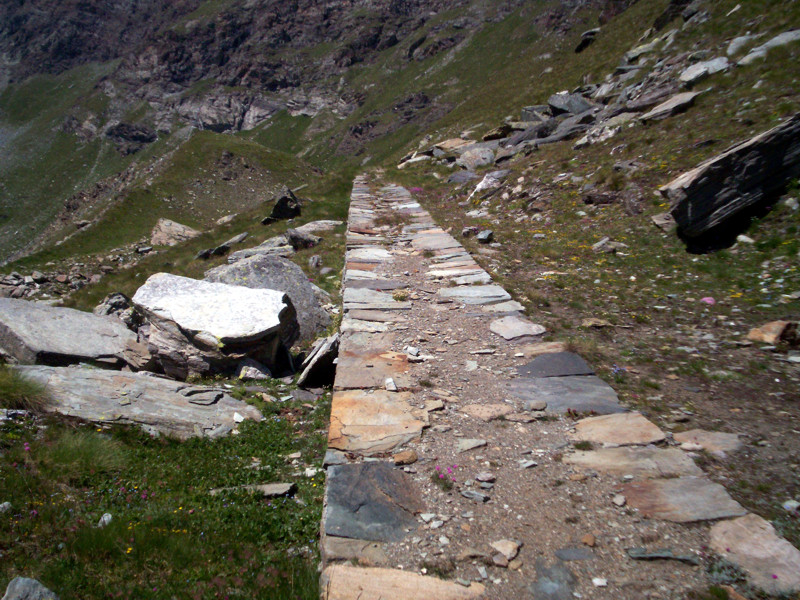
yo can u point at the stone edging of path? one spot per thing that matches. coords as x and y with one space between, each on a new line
372 507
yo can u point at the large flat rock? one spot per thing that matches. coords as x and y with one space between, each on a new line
639 462
32 333
366 299
370 501
682 500
275 273
581 394
512 328
622 429
477 294
345 582
750 542
556 364
157 404
711 441
373 422
370 369
204 327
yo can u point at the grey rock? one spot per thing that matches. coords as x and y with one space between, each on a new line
568 103
743 177
580 394
334 457
33 333
118 305
556 364
738 43
675 105
105 520
574 553
370 501
466 444
661 554
320 365
701 70
267 490
204 327
536 113
170 233
276 273
155 403
485 236
22 588
5 507
477 157
478 295
461 177
475 496
761 51
552 583
252 369
301 239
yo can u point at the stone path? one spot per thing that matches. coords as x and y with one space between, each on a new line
452 467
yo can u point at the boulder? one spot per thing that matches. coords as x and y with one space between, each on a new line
23 588
170 233
675 105
285 205
157 404
32 333
118 305
746 177
201 327
275 273
701 70
478 157
568 103
301 239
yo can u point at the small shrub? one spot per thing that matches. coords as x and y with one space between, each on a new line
20 393
583 445
400 295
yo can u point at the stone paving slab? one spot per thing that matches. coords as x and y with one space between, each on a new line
682 500
370 501
639 462
558 364
622 429
751 543
370 370
479 294
712 441
373 422
583 394
345 582
512 328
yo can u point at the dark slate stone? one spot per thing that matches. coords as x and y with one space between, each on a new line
581 394
574 553
552 583
556 364
370 501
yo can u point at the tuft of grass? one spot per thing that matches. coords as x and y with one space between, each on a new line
583 445
78 456
20 393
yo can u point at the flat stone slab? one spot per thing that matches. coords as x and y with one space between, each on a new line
349 325
510 306
512 328
268 490
621 429
378 316
376 284
371 369
345 582
574 553
712 441
369 255
478 295
336 548
366 299
374 422
682 500
750 542
673 106
34 333
370 501
581 394
534 350
488 412
639 462
157 404
556 364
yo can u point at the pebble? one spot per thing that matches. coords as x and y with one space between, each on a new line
599 582
427 517
5 507
104 520
589 540
527 464
791 505
482 572
486 477
508 548
466 444
390 385
619 500
474 495
406 457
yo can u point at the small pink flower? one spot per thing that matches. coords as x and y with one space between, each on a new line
774 576
441 475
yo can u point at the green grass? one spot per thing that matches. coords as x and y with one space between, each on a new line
19 393
168 537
